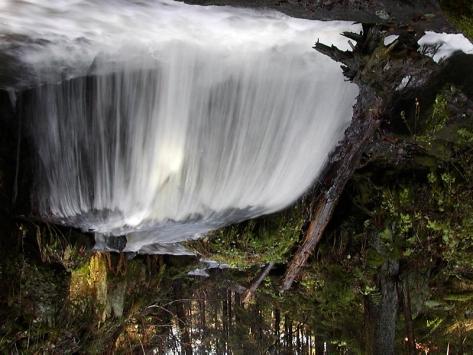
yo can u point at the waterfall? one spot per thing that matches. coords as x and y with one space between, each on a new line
160 120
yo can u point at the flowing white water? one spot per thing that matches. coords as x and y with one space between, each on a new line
161 120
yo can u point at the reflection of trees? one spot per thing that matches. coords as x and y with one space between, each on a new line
149 304
209 316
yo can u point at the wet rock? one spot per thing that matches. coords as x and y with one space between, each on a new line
373 11
382 14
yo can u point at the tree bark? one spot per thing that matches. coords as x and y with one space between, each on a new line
406 306
250 292
288 336
225 318
182 321
381 314
319 347
277 327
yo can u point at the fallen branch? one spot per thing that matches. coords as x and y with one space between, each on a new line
249 294
357 137
346 158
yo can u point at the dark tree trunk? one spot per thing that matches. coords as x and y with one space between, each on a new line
319 347
309 341
202 310
203 322
182 320
237 308
277 328
289 334
381 314
259 321
230 309
406 306
224 301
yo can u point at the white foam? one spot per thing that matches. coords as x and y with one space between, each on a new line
440 46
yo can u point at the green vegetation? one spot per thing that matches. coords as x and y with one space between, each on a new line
59 297
255 242
460 13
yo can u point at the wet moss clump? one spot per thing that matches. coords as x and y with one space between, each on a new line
255 242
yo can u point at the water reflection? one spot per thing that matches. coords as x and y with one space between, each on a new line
150 304
61 297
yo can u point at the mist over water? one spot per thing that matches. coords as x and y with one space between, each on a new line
162 120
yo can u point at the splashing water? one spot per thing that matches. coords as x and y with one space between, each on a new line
162 120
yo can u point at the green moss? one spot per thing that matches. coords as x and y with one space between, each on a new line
463 297
58 246
460 13
465 24
255 242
